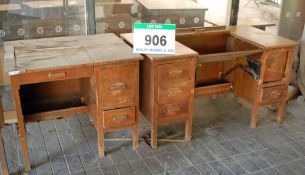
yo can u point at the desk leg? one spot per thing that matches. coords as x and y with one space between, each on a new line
21 124
100 122
136 98
101 144
154 134
4 167
282 107
254 116
3 162
135 141
255 109
188 130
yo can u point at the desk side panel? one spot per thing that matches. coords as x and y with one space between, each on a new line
146 88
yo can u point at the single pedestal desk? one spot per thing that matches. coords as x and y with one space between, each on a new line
59 77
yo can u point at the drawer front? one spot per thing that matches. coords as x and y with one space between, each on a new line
119 118
273 95
175 81
55 75
276 66
174 74
173 94
173 111
118 86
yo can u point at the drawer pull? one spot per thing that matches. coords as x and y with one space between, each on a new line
274 66
120 118
172 92
57 75
175 72
173 109
275 94
118 86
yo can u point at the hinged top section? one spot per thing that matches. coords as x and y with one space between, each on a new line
181 50
170 4
52 53
260 37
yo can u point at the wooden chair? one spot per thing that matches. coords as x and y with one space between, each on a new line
4 167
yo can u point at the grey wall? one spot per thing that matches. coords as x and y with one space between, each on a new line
292 19
301 77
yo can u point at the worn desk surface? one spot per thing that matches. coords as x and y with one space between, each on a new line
170 4
9 7
261 38
181 50
63 52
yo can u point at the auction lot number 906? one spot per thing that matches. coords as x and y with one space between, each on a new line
155 40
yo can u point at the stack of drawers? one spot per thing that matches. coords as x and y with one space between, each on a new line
119 95
167 88
117 86
175 86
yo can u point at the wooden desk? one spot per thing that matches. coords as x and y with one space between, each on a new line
167 88
183 13
252 63
64 76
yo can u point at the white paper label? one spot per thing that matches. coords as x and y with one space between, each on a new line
154 38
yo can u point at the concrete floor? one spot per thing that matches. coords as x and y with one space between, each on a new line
222 143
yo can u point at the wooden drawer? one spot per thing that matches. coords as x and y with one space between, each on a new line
276 66
55 75
175 74
175 82
118 86
273 95
119 118
174 94
173 111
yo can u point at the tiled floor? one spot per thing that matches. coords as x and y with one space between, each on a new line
222 143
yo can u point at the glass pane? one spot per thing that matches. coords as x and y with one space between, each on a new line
260 13
114 16
25 19
216 14
118 16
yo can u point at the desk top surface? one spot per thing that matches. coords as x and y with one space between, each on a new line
8 7
170 4
53 53
181 50
260 37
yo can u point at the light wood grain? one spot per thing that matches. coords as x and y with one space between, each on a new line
64 52
262 38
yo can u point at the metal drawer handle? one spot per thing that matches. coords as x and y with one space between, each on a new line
275 94
173 109
120 118
274 66
118 86
57 75
176 72
172 92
